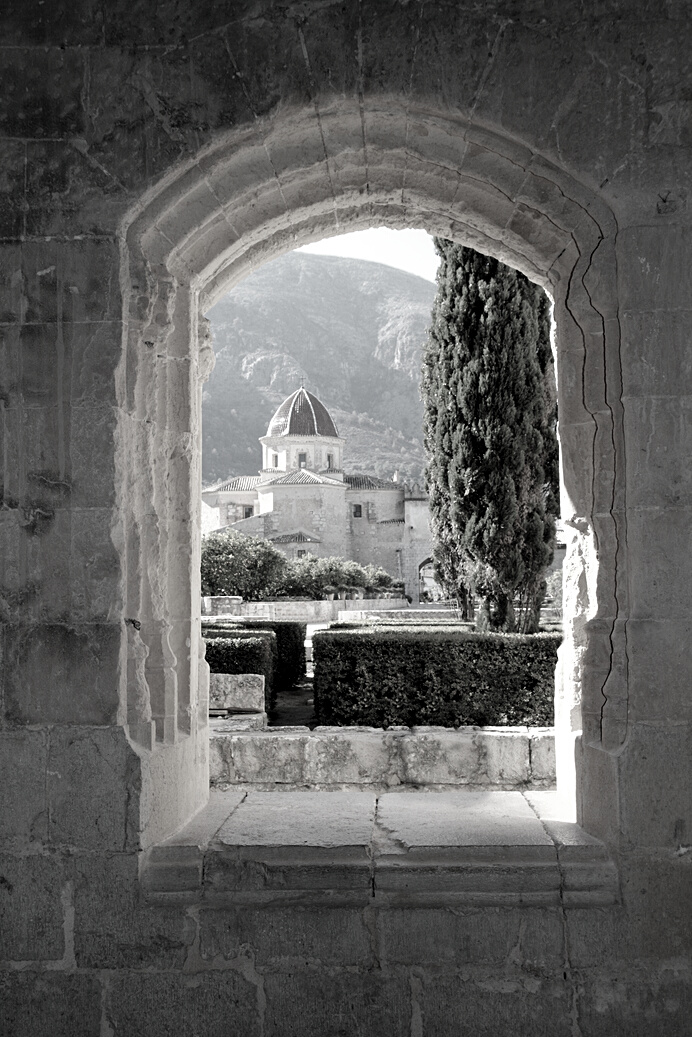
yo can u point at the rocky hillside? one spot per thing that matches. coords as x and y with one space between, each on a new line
353 330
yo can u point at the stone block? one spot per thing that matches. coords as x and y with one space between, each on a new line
32 890
635 1001
286 937
438 936
655 785
542 755
93 789
339 1003
351 756
266 757
23 764
49 1004
660 668
239 692
59 674
493 1002
505 755
438 755
114 929
156 1004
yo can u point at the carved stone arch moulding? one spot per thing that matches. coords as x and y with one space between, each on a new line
295 178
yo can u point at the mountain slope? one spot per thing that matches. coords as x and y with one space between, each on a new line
352 330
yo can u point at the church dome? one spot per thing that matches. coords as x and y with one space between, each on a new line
302 414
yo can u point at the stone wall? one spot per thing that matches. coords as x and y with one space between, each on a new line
151 156
489 758
298 611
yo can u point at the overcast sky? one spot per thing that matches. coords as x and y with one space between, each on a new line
410 250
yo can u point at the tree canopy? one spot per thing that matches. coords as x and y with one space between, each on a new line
233 563
489 395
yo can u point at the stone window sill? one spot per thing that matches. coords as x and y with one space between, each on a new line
394 849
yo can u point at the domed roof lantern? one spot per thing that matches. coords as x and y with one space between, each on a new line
302 414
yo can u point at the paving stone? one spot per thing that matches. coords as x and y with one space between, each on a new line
301 819
455 819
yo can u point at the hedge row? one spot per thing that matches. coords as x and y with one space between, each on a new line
240 651
288 643
437 676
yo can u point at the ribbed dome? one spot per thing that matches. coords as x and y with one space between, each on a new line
302 414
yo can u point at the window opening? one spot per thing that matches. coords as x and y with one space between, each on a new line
357 510
302 460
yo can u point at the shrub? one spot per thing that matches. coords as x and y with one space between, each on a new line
233 650
417 675
312 577
233 563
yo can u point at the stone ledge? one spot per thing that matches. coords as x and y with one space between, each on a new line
492 757
398 848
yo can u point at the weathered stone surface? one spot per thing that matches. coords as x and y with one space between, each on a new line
61 674
93 786
237 691
144 1004
518 1003
286 938
49 1004
311 1004
114 930
23 763
35 894
485 757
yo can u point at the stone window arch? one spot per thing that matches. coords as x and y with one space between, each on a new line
268 189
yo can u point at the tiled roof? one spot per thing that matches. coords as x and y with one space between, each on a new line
304 477
294 538
302 414
369 482
241 482
391 522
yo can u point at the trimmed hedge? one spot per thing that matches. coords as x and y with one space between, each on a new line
437 676
290 643
239 651
289 664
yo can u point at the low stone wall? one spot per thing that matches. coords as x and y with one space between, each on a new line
492 757
298 611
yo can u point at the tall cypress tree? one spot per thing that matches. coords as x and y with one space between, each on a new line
490 432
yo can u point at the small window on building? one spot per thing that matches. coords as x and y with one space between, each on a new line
302 460
301 554
275 460
357 510
247 511
330 460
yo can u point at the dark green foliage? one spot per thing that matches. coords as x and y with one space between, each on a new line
309 577
288 646
231 650
233 563
490 432
433 676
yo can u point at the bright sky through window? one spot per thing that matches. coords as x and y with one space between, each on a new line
410 250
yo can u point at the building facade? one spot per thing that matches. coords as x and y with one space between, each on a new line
306 504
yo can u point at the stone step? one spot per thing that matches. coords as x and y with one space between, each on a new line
394 849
